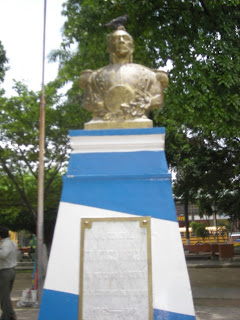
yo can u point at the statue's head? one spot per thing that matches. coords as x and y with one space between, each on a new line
120 45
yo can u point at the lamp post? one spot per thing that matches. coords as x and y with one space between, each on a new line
40 216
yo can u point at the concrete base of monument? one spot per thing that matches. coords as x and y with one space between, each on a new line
124 124
104 264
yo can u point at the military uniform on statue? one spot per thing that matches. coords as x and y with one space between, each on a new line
8 262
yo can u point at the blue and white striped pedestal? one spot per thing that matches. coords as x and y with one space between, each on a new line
118 173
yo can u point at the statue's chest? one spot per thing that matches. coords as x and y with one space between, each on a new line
131 75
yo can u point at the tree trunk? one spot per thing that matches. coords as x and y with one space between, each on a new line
186 219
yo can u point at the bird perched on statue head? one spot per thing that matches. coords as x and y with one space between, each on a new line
115 23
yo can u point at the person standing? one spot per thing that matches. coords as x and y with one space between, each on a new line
8 261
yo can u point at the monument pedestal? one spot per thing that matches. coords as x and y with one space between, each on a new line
99 124
117 174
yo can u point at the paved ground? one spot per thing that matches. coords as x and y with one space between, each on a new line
216 292
215 287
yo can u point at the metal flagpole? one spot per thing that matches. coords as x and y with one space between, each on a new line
40 216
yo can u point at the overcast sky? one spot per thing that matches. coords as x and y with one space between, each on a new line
21 33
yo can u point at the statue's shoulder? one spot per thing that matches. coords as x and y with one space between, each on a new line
160 75
85 77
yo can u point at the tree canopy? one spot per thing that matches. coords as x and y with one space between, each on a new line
19 132
3 61
199 38
201 113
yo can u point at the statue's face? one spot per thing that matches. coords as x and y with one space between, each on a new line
122 43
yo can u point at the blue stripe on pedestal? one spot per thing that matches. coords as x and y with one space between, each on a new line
56 305
116 132
166 315
61 306
118 163
130 182
144 197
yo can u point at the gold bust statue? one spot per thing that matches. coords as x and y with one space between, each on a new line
121 94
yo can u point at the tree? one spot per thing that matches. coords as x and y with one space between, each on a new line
199 229
208 171
19 155
199 37
230 203
201 112
18 203
3 61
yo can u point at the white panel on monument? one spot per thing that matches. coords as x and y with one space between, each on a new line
115 269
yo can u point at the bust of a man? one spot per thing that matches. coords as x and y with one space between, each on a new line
121 94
